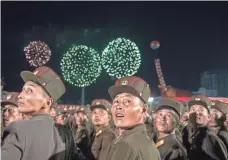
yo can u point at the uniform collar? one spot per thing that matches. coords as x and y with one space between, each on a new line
134 129
102 129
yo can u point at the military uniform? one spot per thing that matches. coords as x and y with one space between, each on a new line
134 143
104 135
200 143
38 138
82 137
171 146
10 98
221 131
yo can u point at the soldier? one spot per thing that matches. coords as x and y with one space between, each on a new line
184 119
61 116
197 139
216 121
53 113
38 138
149 122
81 133
130 96
10 109
166 121
101 115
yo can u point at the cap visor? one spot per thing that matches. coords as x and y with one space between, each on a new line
115 90
97 106
29 76
3 103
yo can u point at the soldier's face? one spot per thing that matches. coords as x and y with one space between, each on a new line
127 110
11 114
59 119
184 117
215 117
52 112
100 117
165 121
80 118
201 114
31 99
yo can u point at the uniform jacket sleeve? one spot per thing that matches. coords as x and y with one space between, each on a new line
215 148
123 151
175 154
12 146
106 143
224 137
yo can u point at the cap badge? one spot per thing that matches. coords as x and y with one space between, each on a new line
82 109
98 103
8 97
124 82
36 72
197 99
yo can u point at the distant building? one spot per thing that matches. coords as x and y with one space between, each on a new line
204 91
215 83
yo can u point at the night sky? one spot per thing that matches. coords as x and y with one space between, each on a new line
193 37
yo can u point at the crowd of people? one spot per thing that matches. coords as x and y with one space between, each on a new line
33 128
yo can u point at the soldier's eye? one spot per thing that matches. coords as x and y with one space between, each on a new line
116 102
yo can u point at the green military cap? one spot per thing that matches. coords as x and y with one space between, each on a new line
10 98
48 79
101 103
169 103
223 107
133 85
200 100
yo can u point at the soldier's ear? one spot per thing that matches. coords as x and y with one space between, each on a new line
49 102
145 108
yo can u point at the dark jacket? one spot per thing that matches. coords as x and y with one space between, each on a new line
203 144
222 133
102 142
35 139
171 148
134 144
82 141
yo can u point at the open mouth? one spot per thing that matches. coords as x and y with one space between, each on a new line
119 116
